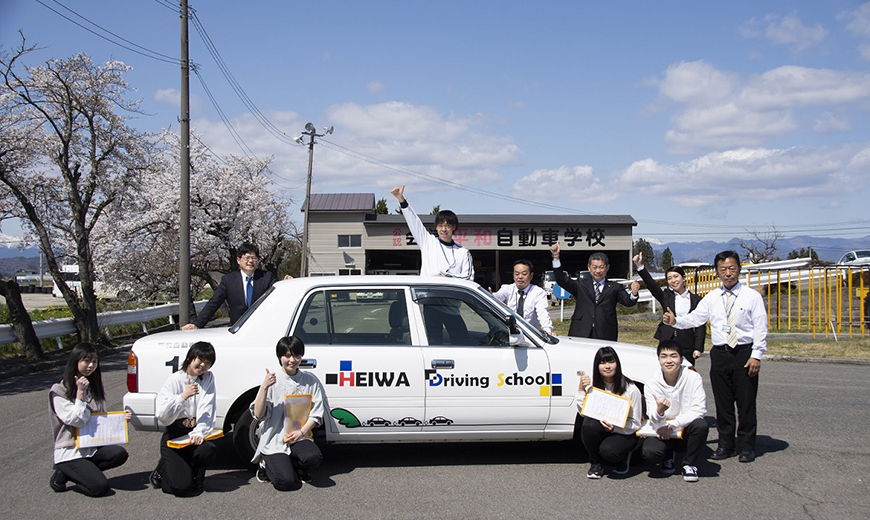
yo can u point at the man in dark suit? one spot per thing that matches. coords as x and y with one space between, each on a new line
239 289
595 312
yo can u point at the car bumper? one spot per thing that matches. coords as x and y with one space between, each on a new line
142 404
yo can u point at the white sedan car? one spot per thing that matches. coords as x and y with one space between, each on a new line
401 358
855 258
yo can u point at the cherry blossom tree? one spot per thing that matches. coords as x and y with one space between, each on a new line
75 157
231 201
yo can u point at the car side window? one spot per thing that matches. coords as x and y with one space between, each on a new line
355 317
458 319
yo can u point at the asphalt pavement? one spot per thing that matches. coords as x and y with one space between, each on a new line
812 463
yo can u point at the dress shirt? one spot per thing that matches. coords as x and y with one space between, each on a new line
170 406
682 302
750 318
535 309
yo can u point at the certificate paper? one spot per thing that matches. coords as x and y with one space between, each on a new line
647 431
296 410
606 406
102 429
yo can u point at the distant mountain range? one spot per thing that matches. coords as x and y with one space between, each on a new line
828 249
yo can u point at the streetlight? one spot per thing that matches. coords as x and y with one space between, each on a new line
311 132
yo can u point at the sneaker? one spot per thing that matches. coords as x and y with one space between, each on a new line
304 476
57 481
667 465
595 471
690 473
622 467
261 472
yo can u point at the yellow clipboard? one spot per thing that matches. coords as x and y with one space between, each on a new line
184 440
296 411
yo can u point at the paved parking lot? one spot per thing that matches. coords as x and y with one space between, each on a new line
813 463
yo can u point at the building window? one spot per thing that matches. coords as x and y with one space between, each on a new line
321 274
349 240
347 272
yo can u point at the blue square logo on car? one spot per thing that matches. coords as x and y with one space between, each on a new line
345 366
557 379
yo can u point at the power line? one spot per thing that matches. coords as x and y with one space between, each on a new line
154 55
230 128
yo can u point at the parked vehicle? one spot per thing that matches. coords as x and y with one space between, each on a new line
386 376
858 257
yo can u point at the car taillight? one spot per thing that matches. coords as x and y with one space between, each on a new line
132 373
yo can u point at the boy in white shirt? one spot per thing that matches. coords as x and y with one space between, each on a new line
675 400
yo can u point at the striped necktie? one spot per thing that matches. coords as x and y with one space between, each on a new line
731 317
597 291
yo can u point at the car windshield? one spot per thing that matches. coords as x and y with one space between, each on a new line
251 310
863 253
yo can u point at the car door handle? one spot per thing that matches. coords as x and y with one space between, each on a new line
442 363
308 363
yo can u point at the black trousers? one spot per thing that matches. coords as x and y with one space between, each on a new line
732 387
281 468
694 438
87 472
604 446
181 468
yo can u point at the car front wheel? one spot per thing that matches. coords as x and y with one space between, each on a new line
245 436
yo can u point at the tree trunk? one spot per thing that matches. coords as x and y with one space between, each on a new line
21 320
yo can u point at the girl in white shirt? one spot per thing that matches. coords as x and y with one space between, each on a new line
185 404
603 441
285 451
71 403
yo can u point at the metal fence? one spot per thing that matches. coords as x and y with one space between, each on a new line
820 300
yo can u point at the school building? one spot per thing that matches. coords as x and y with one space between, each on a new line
348 237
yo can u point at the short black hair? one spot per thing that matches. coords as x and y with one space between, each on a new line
525 263
675 269
724 255
668 344
447 217
202 350
598 256
247 247
289 344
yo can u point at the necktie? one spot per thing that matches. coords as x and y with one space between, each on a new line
731 318
597 291
520 302
249 291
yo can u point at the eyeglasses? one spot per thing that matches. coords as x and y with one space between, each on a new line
249 258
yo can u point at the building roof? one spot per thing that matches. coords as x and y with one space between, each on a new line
466 220
342 202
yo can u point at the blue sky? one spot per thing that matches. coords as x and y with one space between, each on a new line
700 119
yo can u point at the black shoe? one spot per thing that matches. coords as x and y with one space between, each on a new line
746 456
304 476
722 454
622 467
156 479
57 481
596 471
261 472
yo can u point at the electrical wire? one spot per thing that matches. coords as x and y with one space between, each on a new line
148 53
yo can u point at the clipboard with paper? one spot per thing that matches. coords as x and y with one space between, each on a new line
647 430
184 440
103 429
296 411
606 406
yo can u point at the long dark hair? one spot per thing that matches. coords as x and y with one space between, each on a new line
95 380
620 382
202 350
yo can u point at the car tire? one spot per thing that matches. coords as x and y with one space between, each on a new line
245 437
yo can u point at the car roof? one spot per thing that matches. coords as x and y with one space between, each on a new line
368 280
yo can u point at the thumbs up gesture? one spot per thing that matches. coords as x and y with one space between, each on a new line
269 380
585 380
662 404
190 389
668 318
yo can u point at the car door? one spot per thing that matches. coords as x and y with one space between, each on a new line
360 342
475 380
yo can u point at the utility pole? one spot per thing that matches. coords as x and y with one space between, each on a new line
311 132
184 199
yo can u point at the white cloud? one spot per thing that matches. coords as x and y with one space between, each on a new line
784 30
173 97
721 111
829 123
750 174
543 185
413 141
375 87
858 21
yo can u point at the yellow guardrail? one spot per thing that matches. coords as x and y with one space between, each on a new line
829 300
